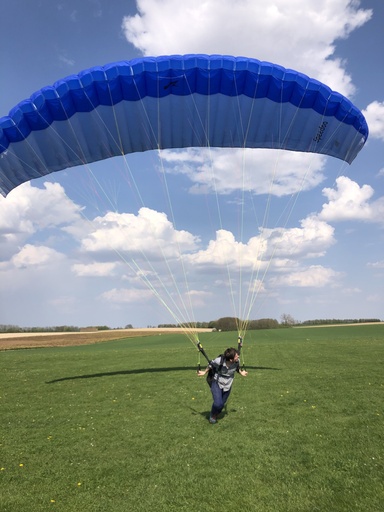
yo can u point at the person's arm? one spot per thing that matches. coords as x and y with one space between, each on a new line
212 364
243 373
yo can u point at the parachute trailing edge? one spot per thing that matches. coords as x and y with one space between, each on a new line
174 102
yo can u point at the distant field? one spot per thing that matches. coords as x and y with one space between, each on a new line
45 339
122 425
339 325
35 340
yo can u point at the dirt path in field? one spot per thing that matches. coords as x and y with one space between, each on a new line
9 341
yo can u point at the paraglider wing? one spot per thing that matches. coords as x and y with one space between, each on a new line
174 102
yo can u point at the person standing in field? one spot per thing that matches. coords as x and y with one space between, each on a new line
221 372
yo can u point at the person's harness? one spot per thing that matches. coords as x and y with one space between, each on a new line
213 369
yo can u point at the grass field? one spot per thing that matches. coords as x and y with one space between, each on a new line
122 425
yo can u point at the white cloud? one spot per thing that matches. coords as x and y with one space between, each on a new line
310 240
375 298
124 295
151 239
97 269
374 114
349 201
278 248
314 276
199 298
278 31
257 287
32 256
261 171
225 251
376 264
351 291
149 234
66 60
97 9
74 15
27 210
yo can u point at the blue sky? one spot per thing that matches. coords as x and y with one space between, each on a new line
56 267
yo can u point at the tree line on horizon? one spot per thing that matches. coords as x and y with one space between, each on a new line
222 324
333 321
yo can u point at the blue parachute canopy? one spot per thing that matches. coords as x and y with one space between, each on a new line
174 102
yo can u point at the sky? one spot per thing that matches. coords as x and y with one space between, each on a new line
69 242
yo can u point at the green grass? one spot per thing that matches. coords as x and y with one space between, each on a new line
122 426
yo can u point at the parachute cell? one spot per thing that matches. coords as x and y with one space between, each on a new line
174 102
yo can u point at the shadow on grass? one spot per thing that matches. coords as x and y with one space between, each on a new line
204 414
207 414
143 370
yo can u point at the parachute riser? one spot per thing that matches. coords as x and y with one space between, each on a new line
239 347
200 348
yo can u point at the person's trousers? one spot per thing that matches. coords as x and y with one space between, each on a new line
219 398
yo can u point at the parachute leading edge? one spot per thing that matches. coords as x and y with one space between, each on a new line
174 102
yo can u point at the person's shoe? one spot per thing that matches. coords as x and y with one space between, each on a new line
212 419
